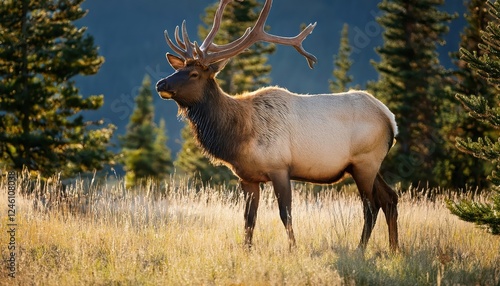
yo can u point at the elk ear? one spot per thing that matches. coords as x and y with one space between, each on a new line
176 62
218 66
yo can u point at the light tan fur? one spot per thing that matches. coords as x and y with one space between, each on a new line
314 136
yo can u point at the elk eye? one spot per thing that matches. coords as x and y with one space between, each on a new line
194 74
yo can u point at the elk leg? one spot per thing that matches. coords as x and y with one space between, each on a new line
252 195
283 192
388 200
365 183
370 213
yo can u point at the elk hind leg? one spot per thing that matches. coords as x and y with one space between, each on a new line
387 199
364 179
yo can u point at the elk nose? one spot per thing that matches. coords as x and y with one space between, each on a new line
161 85
163 89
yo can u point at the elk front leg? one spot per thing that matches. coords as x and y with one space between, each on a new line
283 192
252 195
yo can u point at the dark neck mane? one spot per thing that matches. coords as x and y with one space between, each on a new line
218 123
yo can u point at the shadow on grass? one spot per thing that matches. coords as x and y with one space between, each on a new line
410 267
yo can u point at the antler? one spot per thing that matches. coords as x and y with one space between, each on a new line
209 52
215 28
185 47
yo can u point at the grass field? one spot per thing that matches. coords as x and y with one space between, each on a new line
104 235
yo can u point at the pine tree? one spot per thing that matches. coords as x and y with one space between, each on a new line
410 83
487 66
144 150
41 126
342 64
162 163
459 169
245 72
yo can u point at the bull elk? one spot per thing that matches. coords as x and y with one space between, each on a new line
275 135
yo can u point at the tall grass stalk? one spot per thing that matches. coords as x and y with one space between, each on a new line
99 233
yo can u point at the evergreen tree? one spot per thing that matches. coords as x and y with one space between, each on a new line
487 66
145 153
41 126
162 163
245 72
459 169
342 64
410 83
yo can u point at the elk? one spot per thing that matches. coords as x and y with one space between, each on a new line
272 134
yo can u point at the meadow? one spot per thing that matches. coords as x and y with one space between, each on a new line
175 234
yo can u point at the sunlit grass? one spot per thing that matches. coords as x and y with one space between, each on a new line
180 236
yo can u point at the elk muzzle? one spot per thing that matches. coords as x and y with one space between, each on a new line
163 89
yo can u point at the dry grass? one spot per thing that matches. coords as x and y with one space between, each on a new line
185 237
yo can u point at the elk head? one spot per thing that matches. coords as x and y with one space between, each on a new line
196 66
